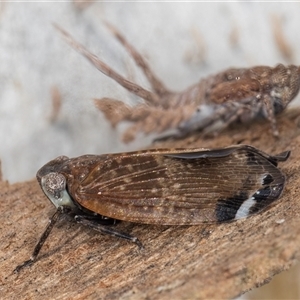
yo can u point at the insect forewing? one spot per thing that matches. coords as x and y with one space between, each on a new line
176 187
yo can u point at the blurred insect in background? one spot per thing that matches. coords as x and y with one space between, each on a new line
208 106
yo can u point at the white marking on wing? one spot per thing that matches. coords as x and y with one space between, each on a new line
244 209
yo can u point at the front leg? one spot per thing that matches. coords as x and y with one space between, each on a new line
60 210
269 111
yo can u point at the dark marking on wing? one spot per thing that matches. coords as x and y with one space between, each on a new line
267 179
262 194
251 158
226 209
266 196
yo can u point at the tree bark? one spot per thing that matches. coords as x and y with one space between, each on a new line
178 262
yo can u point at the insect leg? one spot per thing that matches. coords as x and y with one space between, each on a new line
107 70
269 110
92 223
114 110
98 219
156 84
44 236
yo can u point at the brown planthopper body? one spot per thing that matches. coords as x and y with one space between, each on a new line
245 94
161 186
208 106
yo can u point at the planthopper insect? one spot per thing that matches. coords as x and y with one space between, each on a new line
209 106
160 186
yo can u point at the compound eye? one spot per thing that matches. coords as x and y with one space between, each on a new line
54 183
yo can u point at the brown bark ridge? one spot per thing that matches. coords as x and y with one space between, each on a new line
178 262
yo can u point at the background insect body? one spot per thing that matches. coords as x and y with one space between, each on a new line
243 94
172 187
209 105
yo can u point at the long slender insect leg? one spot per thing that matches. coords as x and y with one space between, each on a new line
98 219
267 102
107 70
42 240
106 230
156 83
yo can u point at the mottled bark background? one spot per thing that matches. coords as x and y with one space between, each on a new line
47 109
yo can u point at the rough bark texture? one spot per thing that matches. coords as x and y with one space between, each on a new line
179 262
